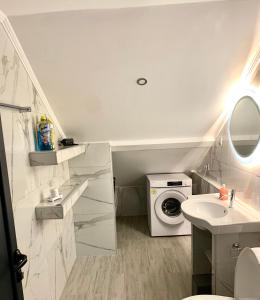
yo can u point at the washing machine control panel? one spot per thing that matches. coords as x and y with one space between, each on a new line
174 180
174 183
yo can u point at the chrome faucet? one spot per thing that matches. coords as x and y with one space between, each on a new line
232 198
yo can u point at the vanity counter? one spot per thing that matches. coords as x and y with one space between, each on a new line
206 211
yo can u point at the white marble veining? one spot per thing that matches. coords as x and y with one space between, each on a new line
49 244
224 167
71 190
46 158
94 212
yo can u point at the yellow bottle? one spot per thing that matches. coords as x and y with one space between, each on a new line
45 134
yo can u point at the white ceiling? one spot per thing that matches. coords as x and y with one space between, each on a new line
88 62
24 7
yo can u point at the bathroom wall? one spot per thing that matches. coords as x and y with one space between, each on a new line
50 244
130 168
94 212
221 164
224 167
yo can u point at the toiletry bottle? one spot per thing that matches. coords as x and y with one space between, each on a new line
52 134
223 192
45 134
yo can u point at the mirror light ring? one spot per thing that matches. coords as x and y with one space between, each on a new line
254 157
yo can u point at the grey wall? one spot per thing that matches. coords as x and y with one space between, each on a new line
130 168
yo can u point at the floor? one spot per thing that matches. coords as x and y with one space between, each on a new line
144 268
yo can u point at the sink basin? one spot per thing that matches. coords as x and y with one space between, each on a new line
210 210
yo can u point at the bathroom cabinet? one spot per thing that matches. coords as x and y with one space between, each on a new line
214 259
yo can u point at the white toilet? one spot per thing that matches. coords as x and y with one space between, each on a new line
247 278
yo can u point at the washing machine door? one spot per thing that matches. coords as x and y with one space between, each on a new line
168 207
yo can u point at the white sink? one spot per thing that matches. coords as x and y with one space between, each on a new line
208 212
208 209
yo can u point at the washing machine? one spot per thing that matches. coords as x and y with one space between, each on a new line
165 193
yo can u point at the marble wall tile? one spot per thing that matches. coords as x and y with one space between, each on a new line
94 212
95 231
95 192
38 286
88 205
224 167
97 160
51 243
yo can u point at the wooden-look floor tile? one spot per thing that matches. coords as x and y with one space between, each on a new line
144 268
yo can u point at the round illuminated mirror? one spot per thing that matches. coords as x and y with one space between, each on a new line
245 126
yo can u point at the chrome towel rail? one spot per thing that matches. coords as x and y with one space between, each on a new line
20 108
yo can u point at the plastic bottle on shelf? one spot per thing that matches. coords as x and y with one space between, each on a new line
223 192
45 134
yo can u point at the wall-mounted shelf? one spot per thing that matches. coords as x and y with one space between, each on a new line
47 158
157 144
71 191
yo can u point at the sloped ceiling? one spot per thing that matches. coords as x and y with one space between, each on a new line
26 7
88 61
